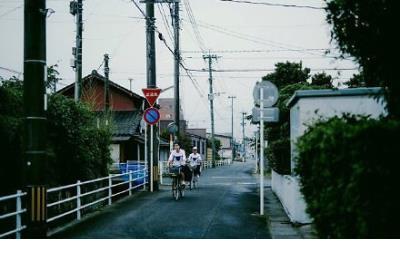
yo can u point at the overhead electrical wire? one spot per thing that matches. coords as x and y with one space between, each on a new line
10 11
193 22
161 37
275 4
264 51
165 21
271 70
258 40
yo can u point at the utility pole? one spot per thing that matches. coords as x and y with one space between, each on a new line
106 85
151 83
232 140
76 9
130 83
244 136
35 105
176 65
210 58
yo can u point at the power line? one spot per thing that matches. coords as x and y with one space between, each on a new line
271 57
266 51
254 39
10 11
271 69
275 4
161 37
193 22
165 21
10 70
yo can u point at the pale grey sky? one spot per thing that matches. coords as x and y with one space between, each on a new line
245 36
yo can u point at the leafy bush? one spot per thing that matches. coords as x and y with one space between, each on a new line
350 177
10 135
77 149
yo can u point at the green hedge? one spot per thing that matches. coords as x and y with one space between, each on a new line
77 149
349 170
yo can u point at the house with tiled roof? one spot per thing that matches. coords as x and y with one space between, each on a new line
126 113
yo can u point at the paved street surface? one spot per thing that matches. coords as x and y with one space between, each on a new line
225 206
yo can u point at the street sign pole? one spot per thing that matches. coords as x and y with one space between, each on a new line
151 158
256 133
262 152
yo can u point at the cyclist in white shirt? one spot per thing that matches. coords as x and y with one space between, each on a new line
176 160
195 161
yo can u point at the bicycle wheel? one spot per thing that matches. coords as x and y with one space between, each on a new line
175 185
191 183
181 191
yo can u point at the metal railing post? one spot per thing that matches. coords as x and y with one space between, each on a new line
144 177
130 182
109 190
18 222
161 168
78 200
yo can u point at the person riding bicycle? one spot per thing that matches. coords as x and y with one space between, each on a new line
176 160
195 162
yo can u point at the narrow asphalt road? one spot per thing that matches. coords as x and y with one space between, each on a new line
225 206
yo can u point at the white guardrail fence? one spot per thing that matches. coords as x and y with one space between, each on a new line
74 199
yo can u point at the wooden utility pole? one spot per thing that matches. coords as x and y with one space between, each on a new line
232 140
210 59
106 85
153 142
76 9
176 65
35 106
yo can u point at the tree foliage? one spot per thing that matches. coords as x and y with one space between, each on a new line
322 79
289 77
288 73
365 30
357 80
218 146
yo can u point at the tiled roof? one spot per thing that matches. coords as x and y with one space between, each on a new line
335 92
125 123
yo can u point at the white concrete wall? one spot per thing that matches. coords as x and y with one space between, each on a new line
115 152
287 189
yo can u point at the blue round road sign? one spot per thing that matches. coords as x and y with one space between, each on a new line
151 116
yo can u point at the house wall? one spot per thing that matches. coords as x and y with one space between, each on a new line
115 152
201 145
118 100
287 189
303 113
93 93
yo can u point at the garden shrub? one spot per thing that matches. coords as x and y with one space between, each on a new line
77 148
349 169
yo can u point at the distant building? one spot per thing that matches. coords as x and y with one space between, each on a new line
126 111
199 140
226 145
167 114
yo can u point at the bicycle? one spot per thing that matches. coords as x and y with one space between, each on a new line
178 190
195 178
